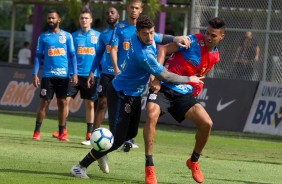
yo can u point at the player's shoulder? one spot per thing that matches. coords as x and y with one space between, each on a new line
93 32
121 25
64 33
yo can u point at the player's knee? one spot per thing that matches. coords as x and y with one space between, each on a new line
102 105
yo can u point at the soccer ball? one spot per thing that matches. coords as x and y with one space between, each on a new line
102 139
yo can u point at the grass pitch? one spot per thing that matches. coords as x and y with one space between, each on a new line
229 158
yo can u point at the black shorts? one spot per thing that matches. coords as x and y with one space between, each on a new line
124 115
103 84
51 85
85 92
170 101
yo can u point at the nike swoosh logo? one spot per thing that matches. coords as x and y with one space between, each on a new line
221 106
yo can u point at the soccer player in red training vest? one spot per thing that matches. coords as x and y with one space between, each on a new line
179 99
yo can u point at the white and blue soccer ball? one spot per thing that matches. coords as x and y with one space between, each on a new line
102 139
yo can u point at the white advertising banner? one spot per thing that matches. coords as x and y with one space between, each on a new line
266 112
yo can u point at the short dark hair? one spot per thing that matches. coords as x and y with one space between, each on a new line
144 22
54 11
217 23
86 10
26 43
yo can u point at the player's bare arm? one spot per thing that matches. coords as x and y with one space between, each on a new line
36 81
90 80
74 79
114 50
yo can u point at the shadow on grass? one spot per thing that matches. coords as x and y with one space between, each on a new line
237 181
164 127
93 177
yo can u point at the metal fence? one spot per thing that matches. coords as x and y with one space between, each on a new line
258 58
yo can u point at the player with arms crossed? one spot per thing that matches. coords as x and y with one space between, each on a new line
124 92
56 44
179 100
120 46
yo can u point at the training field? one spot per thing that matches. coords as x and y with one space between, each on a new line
229 158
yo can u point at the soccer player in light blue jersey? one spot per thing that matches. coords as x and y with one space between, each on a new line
120 44
124 93
107 73
55 44
85 43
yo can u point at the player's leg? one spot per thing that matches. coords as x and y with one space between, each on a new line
198 115
46 94
89 95
152 115
41 113
118 121
100 112
102 99
71 94
89 114
61 90
153 111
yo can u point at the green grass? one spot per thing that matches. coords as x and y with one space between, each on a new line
229 158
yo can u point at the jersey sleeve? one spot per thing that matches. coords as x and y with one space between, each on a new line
150 64
40 45
70 43
115 37
99 54
158 38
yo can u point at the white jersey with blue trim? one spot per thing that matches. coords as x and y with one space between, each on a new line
139 63
55 48
85 45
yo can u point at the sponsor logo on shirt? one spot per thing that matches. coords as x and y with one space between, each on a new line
85 50
108 48
56 52
126 45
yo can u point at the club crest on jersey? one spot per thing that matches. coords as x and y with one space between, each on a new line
153 96
62 39
121 25
126 45
127 108
100 88
94 39
43 92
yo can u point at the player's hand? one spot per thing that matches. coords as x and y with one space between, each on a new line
90 81
155 85
182 41
74 79
117 71
36 81
196 79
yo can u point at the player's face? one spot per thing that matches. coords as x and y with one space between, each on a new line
134 10
112 16
85 20
53 20
146 36
213 37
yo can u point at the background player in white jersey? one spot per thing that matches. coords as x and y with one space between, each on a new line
124 92
56 44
